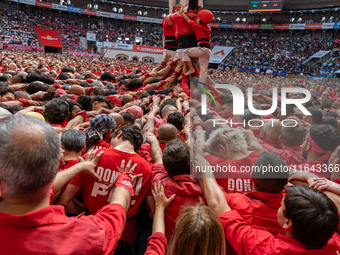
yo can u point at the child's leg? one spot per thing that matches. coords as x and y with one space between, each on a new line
190 67
187 60
172 4
204 63
185 68
185 5
200 4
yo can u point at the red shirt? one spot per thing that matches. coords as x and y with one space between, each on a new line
168 30
203 32
258 209
62 125
237 179
291 154
185 85
95 196
274 143
186 189
160 122
49 230
69 163
248 240
157 244
102 145
182 27
145 151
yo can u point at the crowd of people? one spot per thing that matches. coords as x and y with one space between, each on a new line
18 28
285 55
12 31
280 56
103 156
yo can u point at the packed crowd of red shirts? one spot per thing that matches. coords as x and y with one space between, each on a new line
101 156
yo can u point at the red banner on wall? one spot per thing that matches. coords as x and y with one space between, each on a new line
43 4
240 26
313 26
90 12
281 26
48 37
130 17
147 49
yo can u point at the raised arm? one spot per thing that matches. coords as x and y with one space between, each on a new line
157 242
149 127
156 151
215 197
162 202
185 16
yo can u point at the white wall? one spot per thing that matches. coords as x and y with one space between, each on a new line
112 53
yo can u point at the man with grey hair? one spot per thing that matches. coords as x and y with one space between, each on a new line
73 145
29 163
229 156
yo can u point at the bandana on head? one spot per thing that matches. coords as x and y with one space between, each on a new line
100 125
318 149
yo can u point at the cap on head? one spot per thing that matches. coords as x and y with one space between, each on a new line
206 16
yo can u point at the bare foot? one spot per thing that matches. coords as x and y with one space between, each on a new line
190 72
